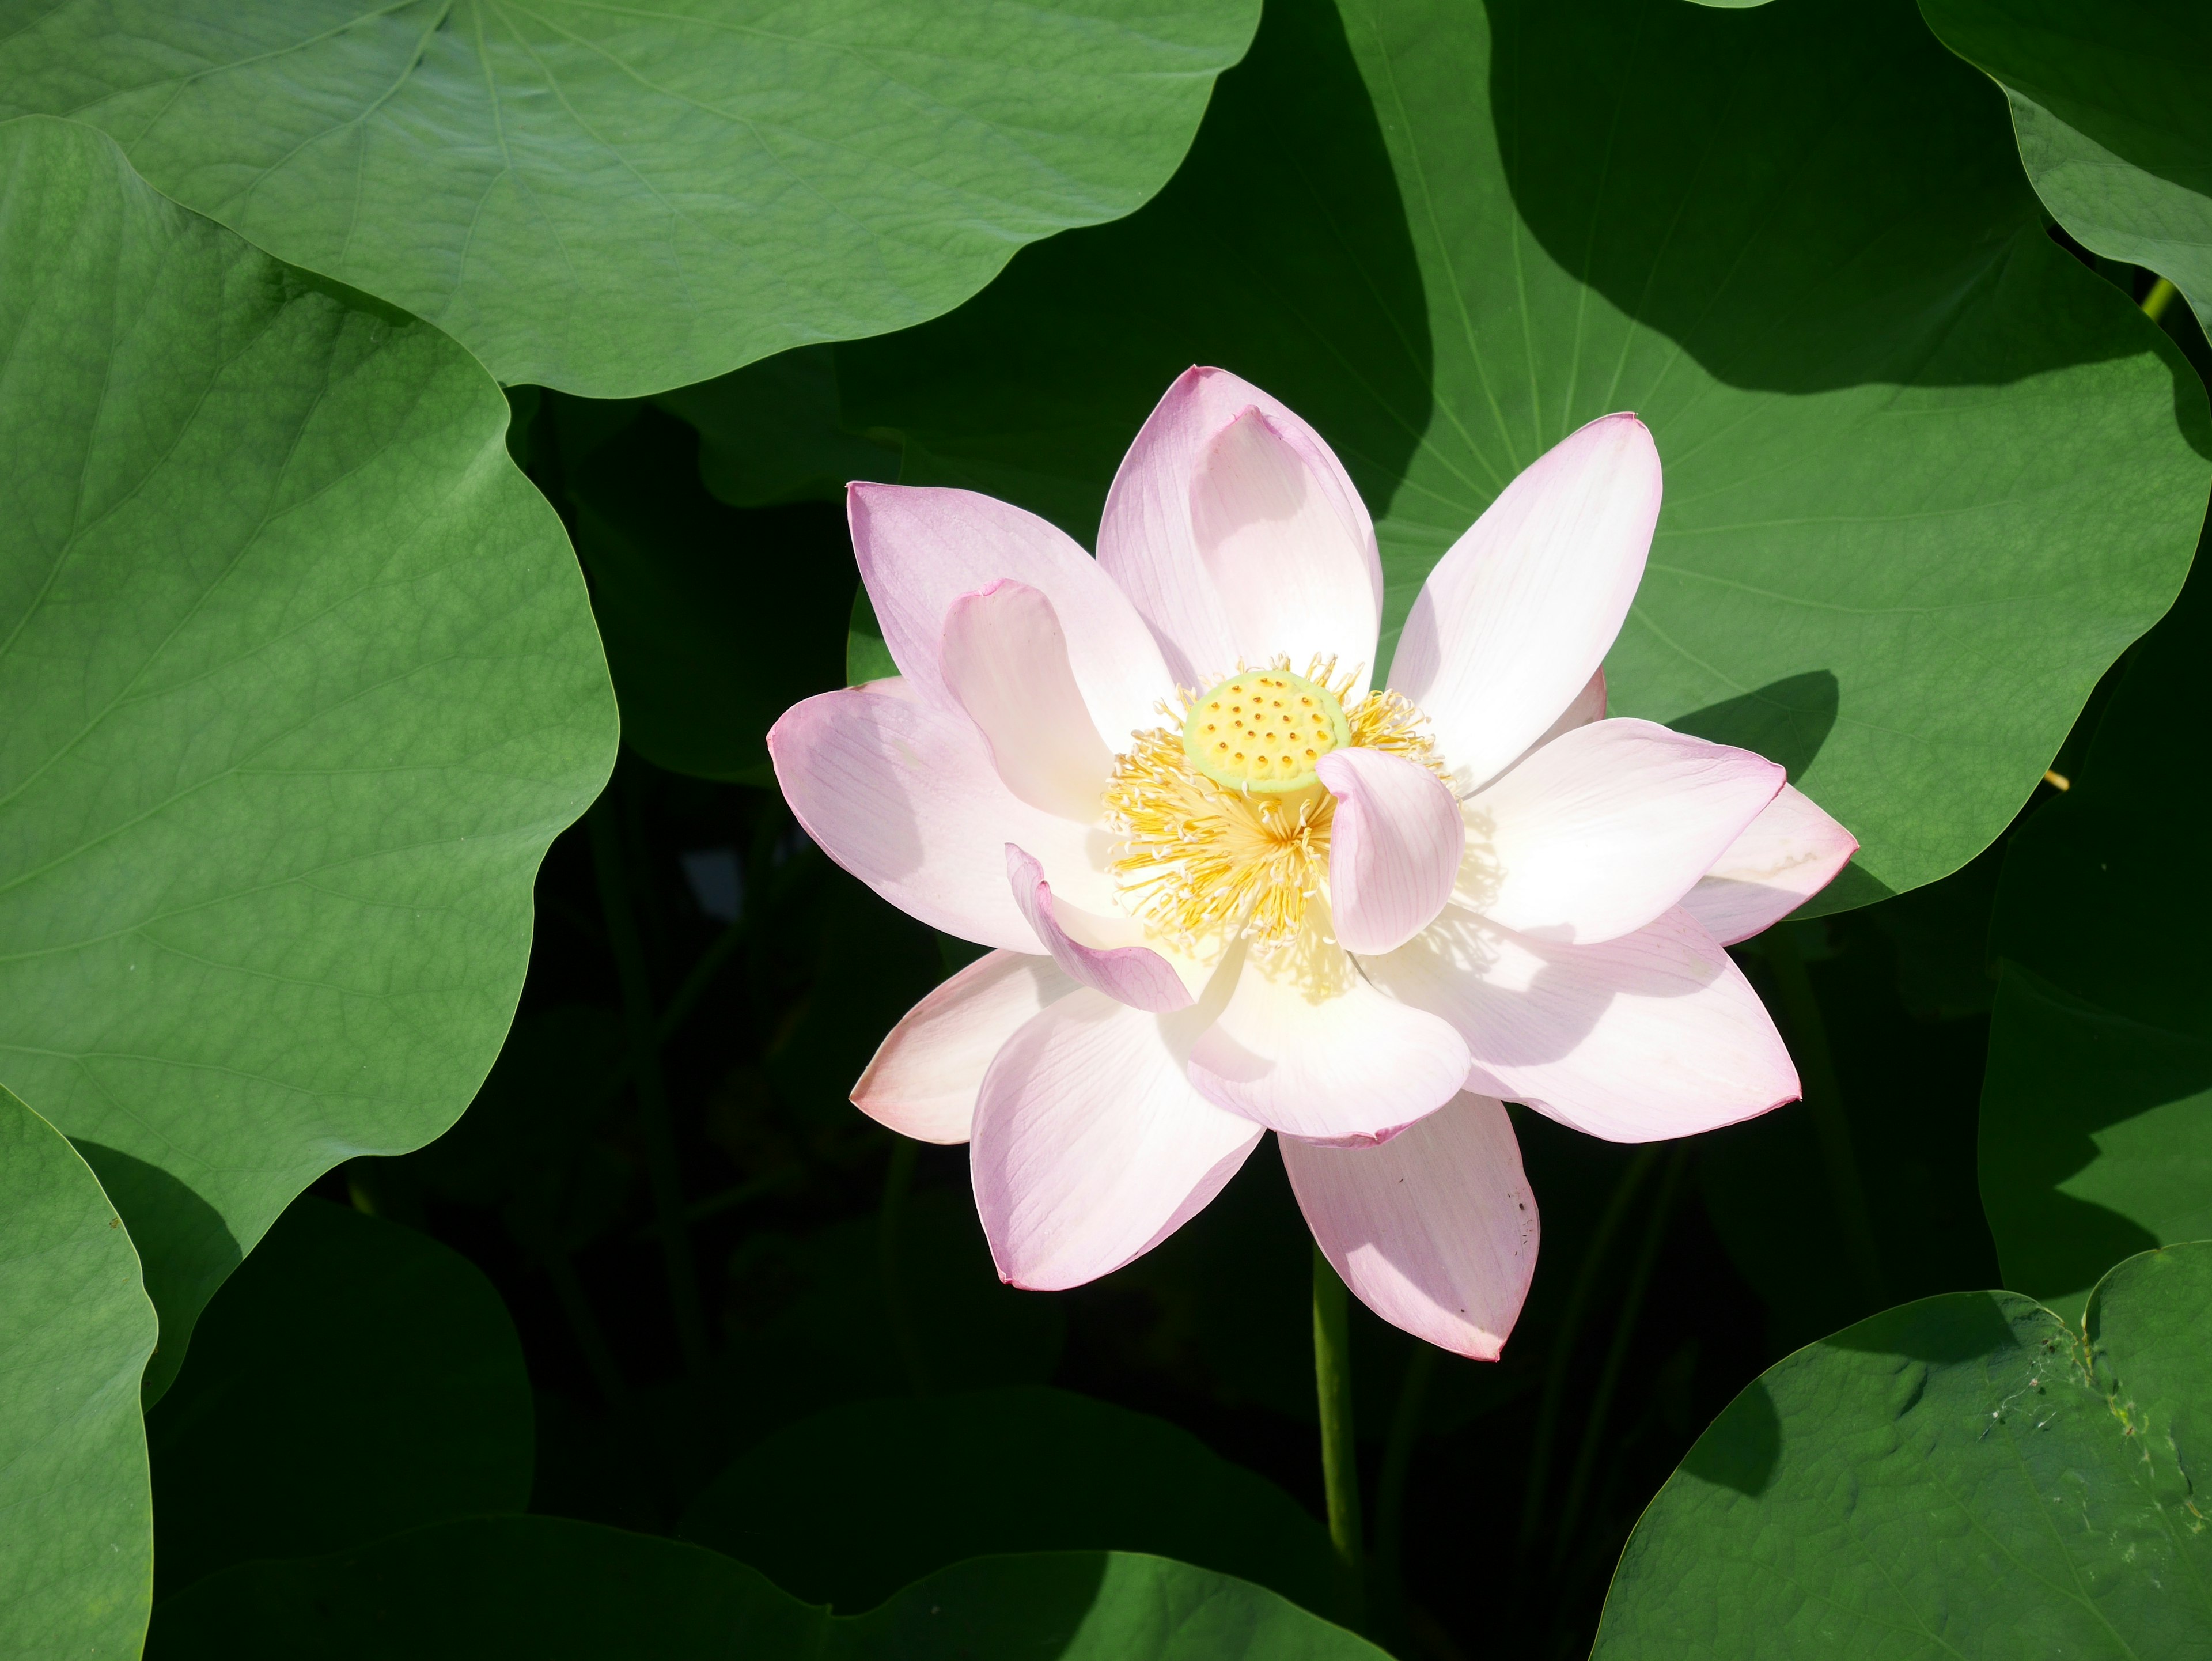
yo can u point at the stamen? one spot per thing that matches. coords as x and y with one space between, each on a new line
1224 825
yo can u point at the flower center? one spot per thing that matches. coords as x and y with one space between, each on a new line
1223 825
1263 730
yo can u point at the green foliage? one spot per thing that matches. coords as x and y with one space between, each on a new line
617 201
77 1576
300 682
1926 476
1964 1475
532 1585
716 620
2108 103
2097 1108
337 1323
847 1507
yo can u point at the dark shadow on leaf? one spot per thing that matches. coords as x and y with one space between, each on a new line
1804 197
1958 1326
1741 1448
1786 720
187 1250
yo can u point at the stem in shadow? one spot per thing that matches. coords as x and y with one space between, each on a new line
1824 1097
890 1218
1570 1334
1340 1451
662 1172
1616 1355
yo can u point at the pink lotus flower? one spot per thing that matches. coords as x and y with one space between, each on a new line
1231 888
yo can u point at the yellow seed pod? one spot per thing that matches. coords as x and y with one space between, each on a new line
1263 730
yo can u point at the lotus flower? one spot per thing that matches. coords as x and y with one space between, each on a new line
1231 886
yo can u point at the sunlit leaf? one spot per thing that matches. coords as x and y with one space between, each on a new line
1964 1474
1926 475
555 1589
2108 103
353 1379
300 681
77 1576
617 199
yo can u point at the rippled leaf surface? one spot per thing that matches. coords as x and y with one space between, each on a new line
77 1576
617 199
300 681
1967 1474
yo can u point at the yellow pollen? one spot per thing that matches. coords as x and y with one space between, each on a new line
1220 838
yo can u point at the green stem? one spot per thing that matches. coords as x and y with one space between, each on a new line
1390 1488
898 1182
662 1172
2160 297
696 983
1340 1451
1824 1095
1616 1355
1563 1345
584 1325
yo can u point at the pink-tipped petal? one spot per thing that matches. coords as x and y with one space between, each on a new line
1515 618
1133 975
923 1080
1654 1035
1604 827
1306 1046
1435 1230
1394 850
1090 1147
1786 856
1004 658
920 549
903 796
1238 535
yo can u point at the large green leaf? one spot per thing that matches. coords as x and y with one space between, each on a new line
77 1578
847 1507
2096 1135
353 1379
301 680
616 199
1926 475
1966 1476
2108 106
552 1590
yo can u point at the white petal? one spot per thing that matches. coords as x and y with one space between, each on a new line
1306 1046
1394 850
903 796
1654 1035
1237 533
1435 1230
1090 1147
1004 658
1517 616
923 1080
1786 856
1604 827
921 548
1128 973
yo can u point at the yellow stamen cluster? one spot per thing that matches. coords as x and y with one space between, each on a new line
1204 857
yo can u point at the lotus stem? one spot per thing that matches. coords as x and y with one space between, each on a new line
1340 1451
662 1172
1808 1043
